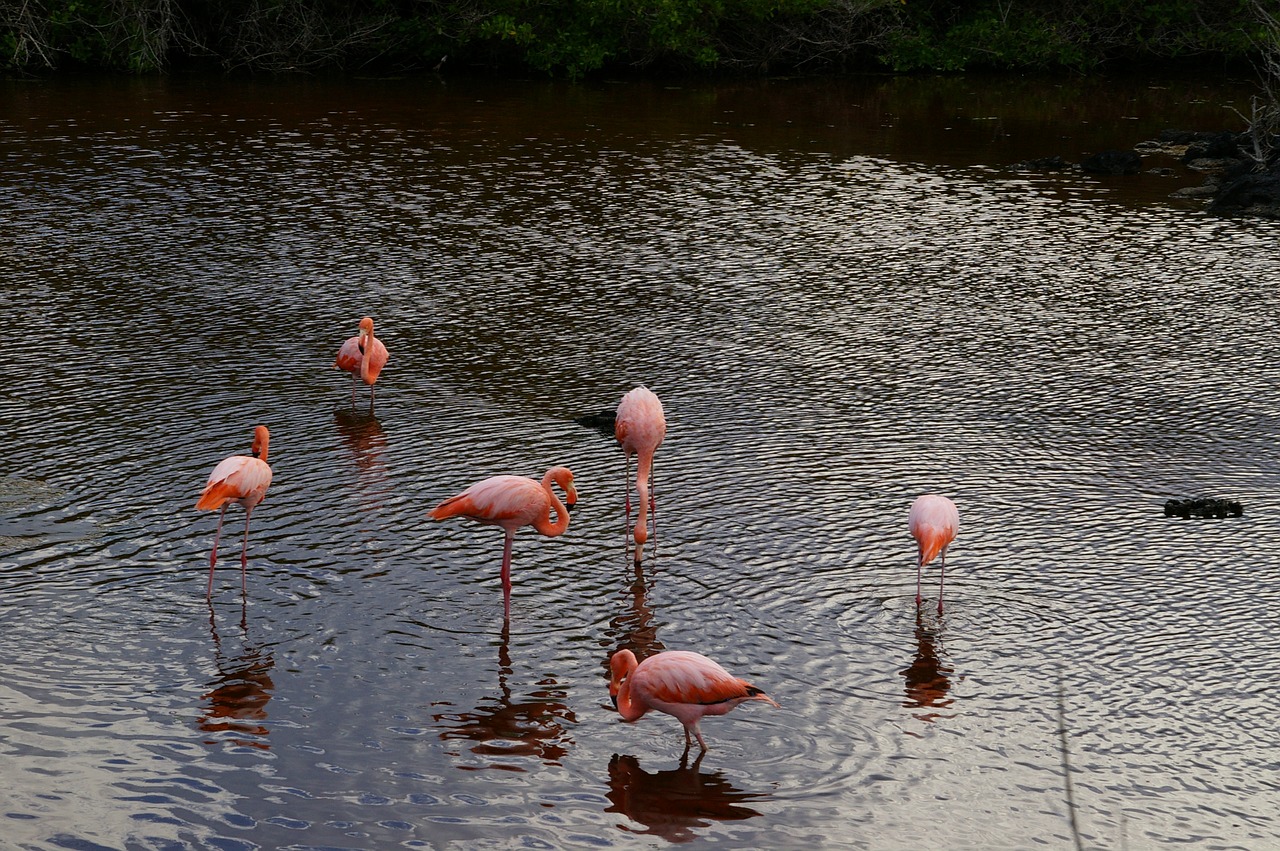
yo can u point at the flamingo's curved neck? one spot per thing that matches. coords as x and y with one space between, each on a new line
366 352
545 524
628 709
644 469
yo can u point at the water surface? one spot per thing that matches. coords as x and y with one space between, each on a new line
844 300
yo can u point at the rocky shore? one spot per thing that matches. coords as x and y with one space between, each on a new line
1241 171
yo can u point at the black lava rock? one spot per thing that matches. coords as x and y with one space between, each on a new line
1042 164
1213 146
601 421
1254 193
1187 508
1113 162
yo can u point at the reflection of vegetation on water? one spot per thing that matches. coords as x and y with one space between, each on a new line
576 37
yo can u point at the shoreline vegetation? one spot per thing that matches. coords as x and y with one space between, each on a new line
575 39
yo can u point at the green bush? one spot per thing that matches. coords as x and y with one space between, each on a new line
580 37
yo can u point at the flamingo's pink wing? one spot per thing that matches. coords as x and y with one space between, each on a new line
680 676
641 422
235 478
349 355
502 500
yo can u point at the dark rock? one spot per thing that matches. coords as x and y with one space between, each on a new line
1180 137
602 421
1236 184
1213 165
1113 162
1205 190
1187 508
1252 193
1213 146
1042 164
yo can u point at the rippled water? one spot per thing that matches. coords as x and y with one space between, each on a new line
843 300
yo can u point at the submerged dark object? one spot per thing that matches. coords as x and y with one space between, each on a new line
1186 508
1042 164
1113 162
601 421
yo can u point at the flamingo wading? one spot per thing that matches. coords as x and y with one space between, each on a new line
241 479
680 683
363 356
512 502
934 522
640 427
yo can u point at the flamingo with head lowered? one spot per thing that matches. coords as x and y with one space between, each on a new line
639 428
512 502
934 523
680 683
241 479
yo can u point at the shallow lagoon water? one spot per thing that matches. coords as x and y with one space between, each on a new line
843 299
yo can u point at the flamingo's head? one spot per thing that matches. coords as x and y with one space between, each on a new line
563 477
261 439
621 664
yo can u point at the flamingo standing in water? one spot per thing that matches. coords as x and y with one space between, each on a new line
242 479
934 522
363 356
640 427
512 502
680 683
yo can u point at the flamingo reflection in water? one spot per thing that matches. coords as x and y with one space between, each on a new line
675 803
928 678
367 442
512 726
635 626
237 703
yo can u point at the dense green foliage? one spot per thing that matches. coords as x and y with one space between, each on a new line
579 37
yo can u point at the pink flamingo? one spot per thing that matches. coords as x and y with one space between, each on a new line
512 502
934 522
680 683
363 356
241 479
640 427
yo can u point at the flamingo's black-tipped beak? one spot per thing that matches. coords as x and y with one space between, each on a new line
614 698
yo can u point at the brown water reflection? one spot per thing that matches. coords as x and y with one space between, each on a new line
237 704
508 726
635 627
928 677
366 441
677 802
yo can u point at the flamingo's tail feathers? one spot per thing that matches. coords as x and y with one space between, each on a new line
454 506
216 495
931 544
